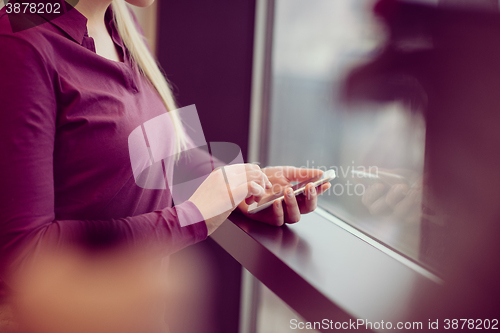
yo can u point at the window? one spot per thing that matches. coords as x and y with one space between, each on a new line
315 44
312 47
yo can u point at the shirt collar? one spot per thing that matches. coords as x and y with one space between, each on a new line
110 22
74 24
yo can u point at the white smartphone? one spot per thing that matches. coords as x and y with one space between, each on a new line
297 189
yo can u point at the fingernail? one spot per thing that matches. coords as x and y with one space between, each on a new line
289 193
312 190
278 203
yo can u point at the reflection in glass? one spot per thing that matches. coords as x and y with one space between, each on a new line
377 150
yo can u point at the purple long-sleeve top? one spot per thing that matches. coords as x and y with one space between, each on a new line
65 116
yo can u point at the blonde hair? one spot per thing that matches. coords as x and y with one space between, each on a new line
148 66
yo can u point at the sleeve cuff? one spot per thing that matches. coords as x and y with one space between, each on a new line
190 218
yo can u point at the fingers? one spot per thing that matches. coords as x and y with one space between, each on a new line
323 188
311 199
249 192
255 190
399 200
247 182
255 193
242 173
379 207
396 194
374 199
373 193
273 215
410 206
278 213
300 174
290 210
259 177
257 183
292 207
255 173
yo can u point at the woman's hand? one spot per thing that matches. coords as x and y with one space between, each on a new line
282 177
225 186
399 199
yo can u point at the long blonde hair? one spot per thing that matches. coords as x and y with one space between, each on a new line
148 66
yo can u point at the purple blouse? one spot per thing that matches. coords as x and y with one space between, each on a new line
65 116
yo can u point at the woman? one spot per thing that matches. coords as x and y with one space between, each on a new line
71 92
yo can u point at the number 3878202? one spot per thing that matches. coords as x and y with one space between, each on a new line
33 8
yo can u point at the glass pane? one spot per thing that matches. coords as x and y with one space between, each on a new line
377 150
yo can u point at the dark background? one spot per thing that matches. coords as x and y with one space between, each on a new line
205 48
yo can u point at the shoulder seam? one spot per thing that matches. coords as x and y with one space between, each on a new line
37 55
29 44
